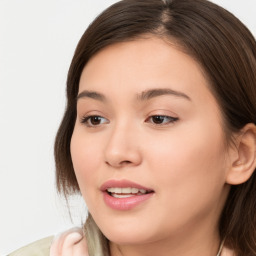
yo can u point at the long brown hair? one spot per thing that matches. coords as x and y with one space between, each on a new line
226 51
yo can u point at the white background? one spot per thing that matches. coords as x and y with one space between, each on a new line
37 41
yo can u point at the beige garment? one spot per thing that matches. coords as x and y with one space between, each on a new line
38 248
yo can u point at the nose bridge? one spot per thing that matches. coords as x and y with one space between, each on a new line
123 146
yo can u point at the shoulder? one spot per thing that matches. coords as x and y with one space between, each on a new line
39 248
69 243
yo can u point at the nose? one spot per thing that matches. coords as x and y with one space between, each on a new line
123 148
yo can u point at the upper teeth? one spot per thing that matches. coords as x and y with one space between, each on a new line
126 190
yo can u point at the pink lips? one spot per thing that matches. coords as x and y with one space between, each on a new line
128 202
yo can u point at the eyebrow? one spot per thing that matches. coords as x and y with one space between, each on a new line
91 95
143 96
152 93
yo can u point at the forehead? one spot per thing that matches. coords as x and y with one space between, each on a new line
142 64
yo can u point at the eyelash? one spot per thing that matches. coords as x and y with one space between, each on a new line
87 120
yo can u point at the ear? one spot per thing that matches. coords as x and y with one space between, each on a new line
243 156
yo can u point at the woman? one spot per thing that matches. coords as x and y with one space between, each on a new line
161 97
159 132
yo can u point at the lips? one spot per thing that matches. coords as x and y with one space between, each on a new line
124 194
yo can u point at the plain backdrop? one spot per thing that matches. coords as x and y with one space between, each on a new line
37 41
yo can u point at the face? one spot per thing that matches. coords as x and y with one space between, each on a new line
148 144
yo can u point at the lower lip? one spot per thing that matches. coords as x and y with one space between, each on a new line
124 204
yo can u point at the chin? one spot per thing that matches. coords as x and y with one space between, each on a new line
129 235
127 239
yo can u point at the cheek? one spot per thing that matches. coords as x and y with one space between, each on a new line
188 169
86 158
189 161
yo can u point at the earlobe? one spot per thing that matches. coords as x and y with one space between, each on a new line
243 163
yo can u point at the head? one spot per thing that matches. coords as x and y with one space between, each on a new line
209 59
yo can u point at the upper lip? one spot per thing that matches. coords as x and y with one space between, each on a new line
122 184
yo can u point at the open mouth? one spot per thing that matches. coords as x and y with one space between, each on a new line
127 192
123 195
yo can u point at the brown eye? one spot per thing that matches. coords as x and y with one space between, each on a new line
92 121
95 120
161 120
158 119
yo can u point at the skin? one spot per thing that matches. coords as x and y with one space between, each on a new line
185 161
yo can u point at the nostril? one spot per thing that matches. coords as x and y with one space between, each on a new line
125 162
118 164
